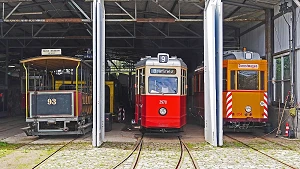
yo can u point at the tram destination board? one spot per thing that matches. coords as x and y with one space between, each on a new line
52 104
162 71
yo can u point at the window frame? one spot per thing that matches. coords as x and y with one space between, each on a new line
281 80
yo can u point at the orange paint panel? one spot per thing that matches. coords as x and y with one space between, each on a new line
241 99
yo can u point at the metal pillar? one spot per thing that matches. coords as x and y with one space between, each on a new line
219 71
98 72
269 37
213 71
6 65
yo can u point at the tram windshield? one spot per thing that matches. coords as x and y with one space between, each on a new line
248 80
168 85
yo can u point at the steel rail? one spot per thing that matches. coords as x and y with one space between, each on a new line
183 146
138 145
13 126
261 137
37 165
260 151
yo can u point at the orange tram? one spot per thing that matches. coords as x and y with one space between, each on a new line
244 90
57 95
160 93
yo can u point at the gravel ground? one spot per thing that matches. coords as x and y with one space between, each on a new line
159 155
158 152
154 155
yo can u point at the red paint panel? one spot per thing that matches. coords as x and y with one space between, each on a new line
199 102
137 116
176 111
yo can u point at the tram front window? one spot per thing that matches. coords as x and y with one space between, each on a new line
248 80
168 85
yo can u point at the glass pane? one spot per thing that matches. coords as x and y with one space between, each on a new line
278 91
202 82
224 78
262 80
278 68
286 67
232 80
163 85
287 88
197 83
247 80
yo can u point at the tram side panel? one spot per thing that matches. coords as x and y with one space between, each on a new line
183 99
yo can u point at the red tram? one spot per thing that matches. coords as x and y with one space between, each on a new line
160 90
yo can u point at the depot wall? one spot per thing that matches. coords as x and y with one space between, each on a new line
255 41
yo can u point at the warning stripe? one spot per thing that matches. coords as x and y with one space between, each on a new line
229 105
265 105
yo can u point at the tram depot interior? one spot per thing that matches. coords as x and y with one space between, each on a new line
136 29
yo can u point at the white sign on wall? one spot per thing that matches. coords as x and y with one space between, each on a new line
51 52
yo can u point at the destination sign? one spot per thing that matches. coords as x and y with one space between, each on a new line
162 71
249 66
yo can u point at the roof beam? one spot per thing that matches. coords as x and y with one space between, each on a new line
242 5
82 11
235 10
15 0
12 11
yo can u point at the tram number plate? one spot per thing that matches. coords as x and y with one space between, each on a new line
239 114
163 58
163 102
51 101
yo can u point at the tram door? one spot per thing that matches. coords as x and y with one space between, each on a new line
140 90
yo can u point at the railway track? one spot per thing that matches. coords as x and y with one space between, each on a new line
255 149
184 147
279 144
9 121
138 147
18 125
56 151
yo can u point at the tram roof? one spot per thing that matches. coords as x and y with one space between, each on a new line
239 55
54 62
153 61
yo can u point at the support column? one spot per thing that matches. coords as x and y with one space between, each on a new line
269 39
6 65
98 72
213 58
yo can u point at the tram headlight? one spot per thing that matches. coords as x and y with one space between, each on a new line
248 109
162 111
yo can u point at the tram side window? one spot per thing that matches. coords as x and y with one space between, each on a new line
142 80
202 82
232 80
136 81
262 80
183 82
225 78
197 82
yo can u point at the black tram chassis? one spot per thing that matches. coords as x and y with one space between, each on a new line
58 126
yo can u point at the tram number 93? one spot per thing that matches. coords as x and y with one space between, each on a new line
51 101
